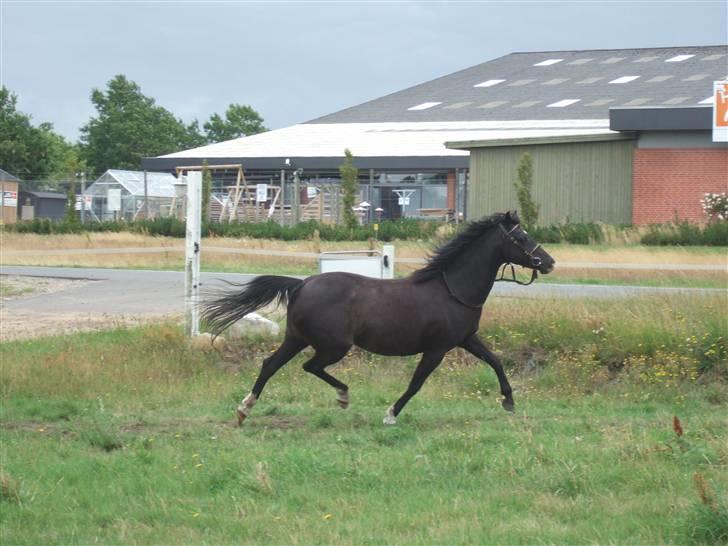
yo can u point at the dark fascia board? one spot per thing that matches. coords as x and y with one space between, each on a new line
566 139
411 163
664 118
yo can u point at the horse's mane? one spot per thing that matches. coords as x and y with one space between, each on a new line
445 254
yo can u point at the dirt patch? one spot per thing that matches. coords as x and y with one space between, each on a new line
13 287
19 324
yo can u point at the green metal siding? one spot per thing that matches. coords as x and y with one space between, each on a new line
579 182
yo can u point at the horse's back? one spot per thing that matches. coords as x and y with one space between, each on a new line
390 316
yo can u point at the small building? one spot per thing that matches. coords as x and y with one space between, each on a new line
120 195
42 204
9 197
654 167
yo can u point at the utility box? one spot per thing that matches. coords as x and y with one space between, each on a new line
370 263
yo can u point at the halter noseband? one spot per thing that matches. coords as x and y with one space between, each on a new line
535 260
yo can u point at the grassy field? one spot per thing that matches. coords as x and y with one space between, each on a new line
173 259
126 437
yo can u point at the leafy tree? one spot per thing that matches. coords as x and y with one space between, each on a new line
206 189
349 179
71 202
130 126
529 209
240 120
27 151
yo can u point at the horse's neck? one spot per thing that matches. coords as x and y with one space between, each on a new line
473 275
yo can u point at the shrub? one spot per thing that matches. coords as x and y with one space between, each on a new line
686 233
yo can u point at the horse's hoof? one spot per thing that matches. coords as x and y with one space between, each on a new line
343 398
241 417
390 419
508 405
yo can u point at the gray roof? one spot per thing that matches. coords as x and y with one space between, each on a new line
6 176
46 194
521 86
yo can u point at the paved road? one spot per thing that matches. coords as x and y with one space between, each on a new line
122 291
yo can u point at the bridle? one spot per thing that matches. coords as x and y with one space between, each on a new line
535 263
535 260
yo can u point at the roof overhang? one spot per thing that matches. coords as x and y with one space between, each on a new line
664 118
533 141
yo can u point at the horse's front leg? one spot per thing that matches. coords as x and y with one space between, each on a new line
475 346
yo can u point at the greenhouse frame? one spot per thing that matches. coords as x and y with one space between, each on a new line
120 195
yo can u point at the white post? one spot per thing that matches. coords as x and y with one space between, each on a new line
388 261
192 252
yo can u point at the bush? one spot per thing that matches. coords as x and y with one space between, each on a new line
172 227
686 234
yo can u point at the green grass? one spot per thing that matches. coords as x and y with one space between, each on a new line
127 436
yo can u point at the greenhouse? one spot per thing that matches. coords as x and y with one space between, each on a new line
120 195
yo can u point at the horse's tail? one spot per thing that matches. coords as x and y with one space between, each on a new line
233 305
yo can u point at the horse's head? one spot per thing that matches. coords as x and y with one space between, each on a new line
518 247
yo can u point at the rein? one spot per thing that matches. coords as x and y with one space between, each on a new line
503 278
456 297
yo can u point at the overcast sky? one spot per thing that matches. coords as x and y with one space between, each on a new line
295 61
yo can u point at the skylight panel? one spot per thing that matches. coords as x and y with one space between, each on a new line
563 103
548 62
645 59
695 77
679 58
659 79
581 61
457 105
600 102
709 100
493 104
713 57
612 60
676 100
488 83
527 104
625 79
556 81
519 83
424 106
590 80
638 102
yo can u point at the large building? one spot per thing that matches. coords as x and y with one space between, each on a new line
606 128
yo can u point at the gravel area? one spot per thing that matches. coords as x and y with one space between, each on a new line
18 324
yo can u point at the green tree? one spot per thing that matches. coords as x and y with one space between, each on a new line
27 151
529 209
129 126
349 179
240 120
71 202
206 190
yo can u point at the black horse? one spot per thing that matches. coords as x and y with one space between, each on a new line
435 309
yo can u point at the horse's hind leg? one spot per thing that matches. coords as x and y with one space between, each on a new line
290 348
476 347
427 365
326 357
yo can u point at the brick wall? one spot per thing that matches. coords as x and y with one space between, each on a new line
669 183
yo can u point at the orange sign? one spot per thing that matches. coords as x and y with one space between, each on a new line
721 104
720 111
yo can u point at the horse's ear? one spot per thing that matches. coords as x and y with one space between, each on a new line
512 217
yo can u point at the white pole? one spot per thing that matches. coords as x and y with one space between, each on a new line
192 252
